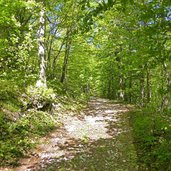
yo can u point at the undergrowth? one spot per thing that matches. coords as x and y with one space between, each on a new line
22 120
17 137
26 117
152 137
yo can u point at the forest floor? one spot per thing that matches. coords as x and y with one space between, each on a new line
97 139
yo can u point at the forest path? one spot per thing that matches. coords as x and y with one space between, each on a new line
99 139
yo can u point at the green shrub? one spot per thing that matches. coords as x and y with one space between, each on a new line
18 137
40 122
152 136
38 98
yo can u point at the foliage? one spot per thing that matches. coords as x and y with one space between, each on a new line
38 98
114 49
19 136
152 134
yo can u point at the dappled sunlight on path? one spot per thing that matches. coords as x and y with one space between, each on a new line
97 139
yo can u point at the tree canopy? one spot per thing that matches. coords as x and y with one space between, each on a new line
115 49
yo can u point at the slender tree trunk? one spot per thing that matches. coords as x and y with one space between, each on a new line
120 76
113 91
142 88
50 69
130 89
109 89
121 85
165 96
41 50
121 80
148 77
56 57
66 57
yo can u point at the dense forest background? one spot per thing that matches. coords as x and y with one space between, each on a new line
75 49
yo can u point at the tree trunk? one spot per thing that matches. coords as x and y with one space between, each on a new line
58 54
121 78
109 89
165 96
66 57
142 88
121 85
148 85
41 50
129 94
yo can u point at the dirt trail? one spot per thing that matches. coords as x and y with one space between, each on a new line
98 139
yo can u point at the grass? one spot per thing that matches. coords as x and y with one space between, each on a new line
152 138
17 137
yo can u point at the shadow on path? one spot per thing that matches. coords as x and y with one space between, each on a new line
99 139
